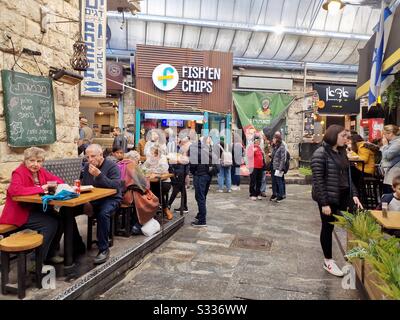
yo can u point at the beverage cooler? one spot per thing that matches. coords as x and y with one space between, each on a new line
371 128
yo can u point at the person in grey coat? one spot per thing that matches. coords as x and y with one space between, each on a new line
390 156
277 168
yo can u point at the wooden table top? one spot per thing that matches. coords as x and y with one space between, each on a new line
85 197
391 222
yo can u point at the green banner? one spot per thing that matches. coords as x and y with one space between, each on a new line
259 110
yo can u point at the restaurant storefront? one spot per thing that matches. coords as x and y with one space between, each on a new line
182 89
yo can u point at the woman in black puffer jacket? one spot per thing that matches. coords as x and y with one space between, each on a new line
331 187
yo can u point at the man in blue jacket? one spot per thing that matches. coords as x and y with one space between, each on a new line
102 173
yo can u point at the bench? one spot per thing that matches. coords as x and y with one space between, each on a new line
68 169
5 229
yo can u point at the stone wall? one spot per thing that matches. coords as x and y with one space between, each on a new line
294 122
21 21
129 106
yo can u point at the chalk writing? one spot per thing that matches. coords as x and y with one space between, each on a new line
29 109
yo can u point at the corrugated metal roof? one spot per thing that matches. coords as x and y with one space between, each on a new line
221 25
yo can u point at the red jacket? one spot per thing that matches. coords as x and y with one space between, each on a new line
255 157
22 184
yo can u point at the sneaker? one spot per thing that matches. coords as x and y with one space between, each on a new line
272 198
284 197
253 198
278 199
332 268
220 191
102 257
259 198
196 217
229 191
235 188
263 194
196 224
178 210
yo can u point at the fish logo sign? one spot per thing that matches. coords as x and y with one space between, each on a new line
165 77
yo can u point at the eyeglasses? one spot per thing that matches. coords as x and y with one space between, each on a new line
35 160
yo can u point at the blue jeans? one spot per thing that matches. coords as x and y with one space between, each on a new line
201 186
284 185
235 175
103 209
224 174
264 181
277 185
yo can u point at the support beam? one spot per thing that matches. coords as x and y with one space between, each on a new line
241 26
263 63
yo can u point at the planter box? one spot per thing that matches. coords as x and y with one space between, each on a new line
358 264
370 278
365 274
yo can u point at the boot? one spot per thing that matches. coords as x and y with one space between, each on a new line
168 213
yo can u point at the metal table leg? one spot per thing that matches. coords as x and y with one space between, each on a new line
162 207
68 237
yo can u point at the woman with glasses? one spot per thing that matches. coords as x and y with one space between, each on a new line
29 179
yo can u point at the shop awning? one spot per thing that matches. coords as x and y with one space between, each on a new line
392 56
173 116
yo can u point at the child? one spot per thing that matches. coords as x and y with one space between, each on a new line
393 199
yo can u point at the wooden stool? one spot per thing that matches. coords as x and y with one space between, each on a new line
20 244
6 229
91 222
122 221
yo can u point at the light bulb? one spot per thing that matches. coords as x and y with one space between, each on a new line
334 6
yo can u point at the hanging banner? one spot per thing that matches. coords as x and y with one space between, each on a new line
94 15
259 110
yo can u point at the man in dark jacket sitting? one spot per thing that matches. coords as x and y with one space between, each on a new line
102 173
203 165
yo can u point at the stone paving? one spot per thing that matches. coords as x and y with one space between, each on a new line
208 263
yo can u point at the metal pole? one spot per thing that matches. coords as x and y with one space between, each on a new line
121 113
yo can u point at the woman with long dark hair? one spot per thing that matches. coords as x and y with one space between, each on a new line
332 187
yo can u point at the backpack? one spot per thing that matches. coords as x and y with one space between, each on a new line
226 158
122 169
287 162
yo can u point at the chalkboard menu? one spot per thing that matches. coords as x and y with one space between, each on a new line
29 109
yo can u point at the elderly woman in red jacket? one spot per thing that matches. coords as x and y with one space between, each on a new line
255 163
29 179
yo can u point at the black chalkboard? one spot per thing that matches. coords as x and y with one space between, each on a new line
29 109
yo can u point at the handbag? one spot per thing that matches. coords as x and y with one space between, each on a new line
146 205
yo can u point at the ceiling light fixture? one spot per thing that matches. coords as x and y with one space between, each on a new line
333 6
279 29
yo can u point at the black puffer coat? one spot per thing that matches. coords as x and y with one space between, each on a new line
325 177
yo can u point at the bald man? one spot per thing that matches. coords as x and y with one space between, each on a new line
102 173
